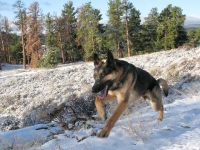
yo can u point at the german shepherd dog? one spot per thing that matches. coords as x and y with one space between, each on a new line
118 79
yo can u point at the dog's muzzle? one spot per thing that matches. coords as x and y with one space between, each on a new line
96 89
102 91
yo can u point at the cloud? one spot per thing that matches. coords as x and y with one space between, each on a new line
5 6
192 19
142 20
103 21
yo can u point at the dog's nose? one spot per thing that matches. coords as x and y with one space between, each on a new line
94 89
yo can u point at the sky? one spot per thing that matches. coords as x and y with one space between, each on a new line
190 8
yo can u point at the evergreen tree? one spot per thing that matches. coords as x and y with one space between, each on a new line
68 15
176 29
162 30
88 29
21 24
2 39
59 31
7 30
115 27
198 36
149 29
49 59
103 42
170 27
16 48
1 44
192 40
34 33
127 7
135 31
50 38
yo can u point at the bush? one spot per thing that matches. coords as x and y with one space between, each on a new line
50 58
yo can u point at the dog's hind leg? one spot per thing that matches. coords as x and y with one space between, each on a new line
156 101
99 105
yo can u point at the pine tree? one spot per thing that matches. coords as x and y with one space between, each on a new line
115 26
88 29
50 38
1 45
198 36
149 29
68 15
59 31
135 31
7 31
192 40
16 48
127 7
34 33
170 27
176 29
21 24
2 40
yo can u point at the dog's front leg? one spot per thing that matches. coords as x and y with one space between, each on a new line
99 105
111 122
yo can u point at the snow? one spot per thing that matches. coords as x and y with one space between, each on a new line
26 95
179 130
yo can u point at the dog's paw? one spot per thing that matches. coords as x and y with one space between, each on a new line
103 133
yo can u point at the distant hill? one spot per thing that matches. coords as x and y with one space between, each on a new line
191 26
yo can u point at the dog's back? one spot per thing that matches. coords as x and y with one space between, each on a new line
144 81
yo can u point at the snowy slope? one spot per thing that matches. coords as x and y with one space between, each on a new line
27 94
180 130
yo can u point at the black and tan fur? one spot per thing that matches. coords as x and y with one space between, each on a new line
117 79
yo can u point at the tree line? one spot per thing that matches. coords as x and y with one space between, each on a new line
77 33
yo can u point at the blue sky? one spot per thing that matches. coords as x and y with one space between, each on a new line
190 7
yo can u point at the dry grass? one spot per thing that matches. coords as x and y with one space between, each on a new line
155 71
172 73
138 130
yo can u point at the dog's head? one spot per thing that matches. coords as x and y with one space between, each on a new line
104 74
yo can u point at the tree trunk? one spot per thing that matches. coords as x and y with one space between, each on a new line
63 56
3 48
0 63
2 42
128 40
23 47
61 49
24 53
93 45
119 50
7 48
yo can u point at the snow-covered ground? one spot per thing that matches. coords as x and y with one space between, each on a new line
27 96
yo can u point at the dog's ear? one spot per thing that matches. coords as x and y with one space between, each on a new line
110 60
96 59
110 56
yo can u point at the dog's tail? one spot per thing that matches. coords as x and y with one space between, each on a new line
164 86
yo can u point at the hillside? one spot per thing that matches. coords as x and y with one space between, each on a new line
191 26
32 101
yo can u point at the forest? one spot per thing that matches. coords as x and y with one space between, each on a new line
44 40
